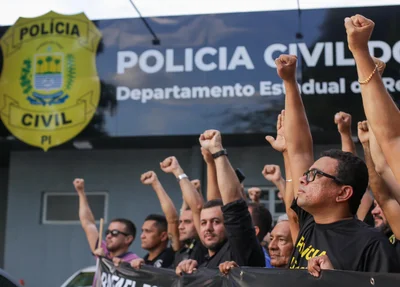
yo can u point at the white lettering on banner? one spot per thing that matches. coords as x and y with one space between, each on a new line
266 88
109 280
204 59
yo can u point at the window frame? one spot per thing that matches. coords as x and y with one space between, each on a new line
46 194
272 200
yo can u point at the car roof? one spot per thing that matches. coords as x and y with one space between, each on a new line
8 276
89 269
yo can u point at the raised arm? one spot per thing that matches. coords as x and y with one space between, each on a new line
85 215
379 187
343 122
190 194
297 131
167 206
382 167
381 111
197 185
279 144
228 182
212 183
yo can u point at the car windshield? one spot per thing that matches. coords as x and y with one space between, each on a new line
84 279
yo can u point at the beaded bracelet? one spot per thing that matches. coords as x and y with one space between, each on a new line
370 76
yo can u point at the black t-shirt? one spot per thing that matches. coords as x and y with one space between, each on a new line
195 251
163 260
350 245
395 242
242 245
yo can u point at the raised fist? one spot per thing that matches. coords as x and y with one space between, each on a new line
279 144
207 156
286 67
381 65
359 30
254 194
196 184
211 141
363 132
149 177
343 122
170 165
79 185
272 172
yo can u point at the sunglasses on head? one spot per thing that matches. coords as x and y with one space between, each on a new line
115 233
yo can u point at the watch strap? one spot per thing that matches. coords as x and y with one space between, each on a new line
220 153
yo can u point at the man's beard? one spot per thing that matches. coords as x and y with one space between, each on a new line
216 246
385 229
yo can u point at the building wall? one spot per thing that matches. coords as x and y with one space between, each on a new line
31 248
3 210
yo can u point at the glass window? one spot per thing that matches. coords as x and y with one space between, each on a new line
63 208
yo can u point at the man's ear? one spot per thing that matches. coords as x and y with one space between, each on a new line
129 239
345 193
164 236
257 230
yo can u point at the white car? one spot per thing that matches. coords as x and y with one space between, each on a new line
81 278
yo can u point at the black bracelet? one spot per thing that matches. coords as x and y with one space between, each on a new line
220 153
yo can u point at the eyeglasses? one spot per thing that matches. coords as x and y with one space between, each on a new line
312 173
115 233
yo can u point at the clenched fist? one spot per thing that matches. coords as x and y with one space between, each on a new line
363 132
79 185
343 122
254 194
272 172
149 178
359 30
171 165
286 67
211 141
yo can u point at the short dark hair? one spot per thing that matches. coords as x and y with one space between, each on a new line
129 226
351 170
213 203
161 221
262 218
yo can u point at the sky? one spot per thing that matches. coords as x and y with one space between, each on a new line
108 9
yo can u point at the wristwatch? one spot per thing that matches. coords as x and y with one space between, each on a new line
219 153
181 176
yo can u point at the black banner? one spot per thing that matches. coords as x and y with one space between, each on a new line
147 276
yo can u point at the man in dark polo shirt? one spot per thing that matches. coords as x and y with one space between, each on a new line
155 240
226 227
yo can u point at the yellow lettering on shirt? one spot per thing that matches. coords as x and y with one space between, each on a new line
307 253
